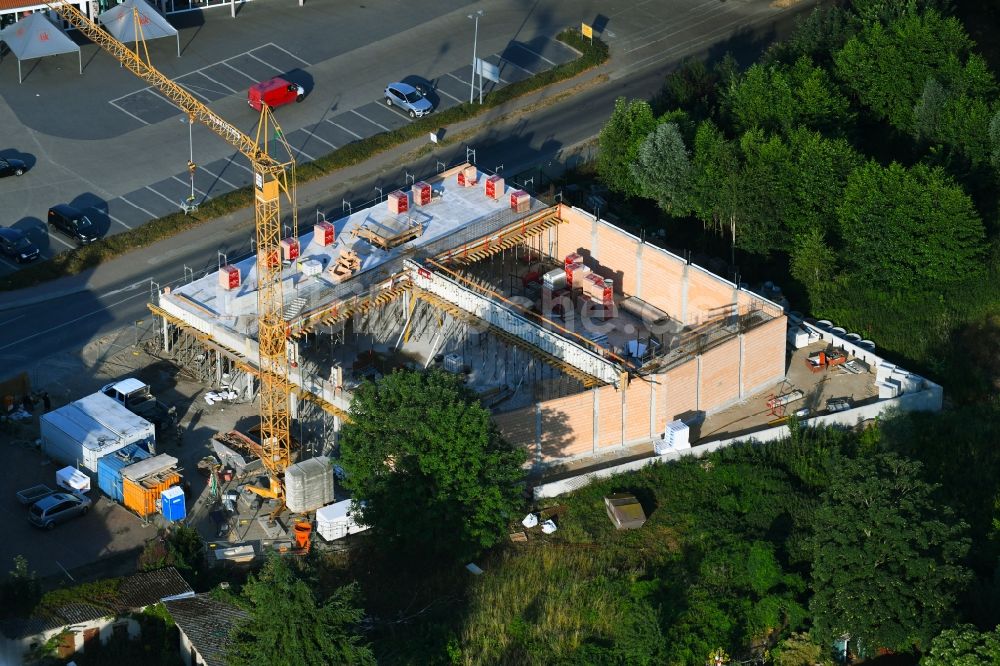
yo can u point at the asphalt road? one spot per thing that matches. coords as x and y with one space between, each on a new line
30 334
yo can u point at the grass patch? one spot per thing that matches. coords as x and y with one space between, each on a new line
78 260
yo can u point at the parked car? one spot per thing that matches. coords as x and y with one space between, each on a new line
11 167
407 98
274 92
73 223
57 508
16 245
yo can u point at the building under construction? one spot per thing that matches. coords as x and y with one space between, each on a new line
580 337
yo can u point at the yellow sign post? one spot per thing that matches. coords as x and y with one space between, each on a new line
587 31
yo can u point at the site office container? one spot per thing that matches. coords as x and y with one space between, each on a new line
110 466
76 441
140 496
129 428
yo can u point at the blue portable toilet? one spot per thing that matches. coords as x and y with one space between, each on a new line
110 466
172 503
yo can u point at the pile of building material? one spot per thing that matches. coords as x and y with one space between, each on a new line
676 437
347 264
309 484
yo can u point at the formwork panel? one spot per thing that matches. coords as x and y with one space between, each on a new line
682 389
662 281
637 396
764 355
518 427
573 233
720 375
616 252
708 297
567 426
609 417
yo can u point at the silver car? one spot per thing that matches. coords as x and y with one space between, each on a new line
57 508
407 98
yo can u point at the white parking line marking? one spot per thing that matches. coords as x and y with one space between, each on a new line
357 136
308 157
371 121
54 237
264 62
188 184
514 64
238 71
191 90
241 165
164 196
112 103
18 316
316 136
153 217
286 51
452 96
535 53
15 267
218 177
203 74
118 221
462 81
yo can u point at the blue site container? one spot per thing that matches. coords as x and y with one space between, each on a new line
109 469
172 503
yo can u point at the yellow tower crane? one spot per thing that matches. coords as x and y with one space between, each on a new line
271 178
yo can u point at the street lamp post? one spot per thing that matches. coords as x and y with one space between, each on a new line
475 43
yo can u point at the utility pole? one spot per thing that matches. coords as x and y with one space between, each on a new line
475 44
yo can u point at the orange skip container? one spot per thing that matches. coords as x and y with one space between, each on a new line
141 496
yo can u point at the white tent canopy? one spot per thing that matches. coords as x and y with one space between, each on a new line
120 22
35 36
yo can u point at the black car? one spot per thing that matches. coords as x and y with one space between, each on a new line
11 167
16 245
73 223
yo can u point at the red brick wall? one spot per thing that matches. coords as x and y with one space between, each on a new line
637 398
568 426
720 375
662 280
518 426
682 389
616 252
573 233
764 355
609 417
708 297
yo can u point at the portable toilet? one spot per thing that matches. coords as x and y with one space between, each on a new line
172 504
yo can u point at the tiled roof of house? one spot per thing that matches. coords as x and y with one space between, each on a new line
134 592
19 4
206 622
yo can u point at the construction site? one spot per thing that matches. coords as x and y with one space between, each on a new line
581 338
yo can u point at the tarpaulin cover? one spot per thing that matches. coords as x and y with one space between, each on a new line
35 36
120 22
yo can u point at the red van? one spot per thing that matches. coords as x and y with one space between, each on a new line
274 92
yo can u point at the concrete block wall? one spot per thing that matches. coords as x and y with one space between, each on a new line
763 356
719 375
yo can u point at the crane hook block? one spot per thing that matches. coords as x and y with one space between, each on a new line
192 166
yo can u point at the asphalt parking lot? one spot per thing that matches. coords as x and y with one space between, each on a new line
111 107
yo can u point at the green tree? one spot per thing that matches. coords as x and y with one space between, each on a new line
813 262
663 169
619 142
885 557
717 181
20 592
964 646
777 98
909 228
994 133
820 169
289 626
800 650
887 67
887 11
426 457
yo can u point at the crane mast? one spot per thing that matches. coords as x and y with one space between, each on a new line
271 178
